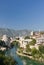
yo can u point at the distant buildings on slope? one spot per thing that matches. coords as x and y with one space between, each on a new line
6 39
23 42
33 35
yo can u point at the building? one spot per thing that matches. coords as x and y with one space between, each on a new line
2 48
35 46
24 42
6 39
40 40
32 33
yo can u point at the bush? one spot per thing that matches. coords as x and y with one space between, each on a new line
27 37
21 49
33 42
2 43
4 60
41 49
15 43
28 48
35 53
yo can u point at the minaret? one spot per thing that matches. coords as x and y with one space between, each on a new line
31 33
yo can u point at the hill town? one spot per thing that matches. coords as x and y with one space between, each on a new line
31 46
36 37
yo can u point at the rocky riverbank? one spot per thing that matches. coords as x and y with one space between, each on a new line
22 54
30 57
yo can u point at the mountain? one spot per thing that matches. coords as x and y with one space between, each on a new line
13 33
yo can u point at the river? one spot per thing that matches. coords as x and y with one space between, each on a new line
21 60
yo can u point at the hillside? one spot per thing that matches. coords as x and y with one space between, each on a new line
13 33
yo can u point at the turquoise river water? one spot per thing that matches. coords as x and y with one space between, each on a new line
21 60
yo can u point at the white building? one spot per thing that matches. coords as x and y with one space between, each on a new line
24 42
2 48
31 33
35 46
40 40
6 39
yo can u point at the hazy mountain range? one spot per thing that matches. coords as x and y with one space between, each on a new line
13 33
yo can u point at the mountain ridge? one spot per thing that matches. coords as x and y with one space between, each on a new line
13 33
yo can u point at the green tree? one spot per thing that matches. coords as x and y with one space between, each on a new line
20 50
35 53
27 37
15 43
4 60
28 48
33 42
41 49
2 43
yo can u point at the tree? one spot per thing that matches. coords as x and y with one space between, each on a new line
35 53
27 37
21 50
4 60
41 49
33 42
2 43
15 43
28 48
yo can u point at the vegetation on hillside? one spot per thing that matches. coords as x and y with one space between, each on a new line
2 43
33 42
28 48
27 37
4 60
15 43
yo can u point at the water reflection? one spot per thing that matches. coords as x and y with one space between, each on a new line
12 52
24 62
21 60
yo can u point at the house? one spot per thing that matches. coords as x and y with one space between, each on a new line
6 39
2 48
24 42
34 46
40 40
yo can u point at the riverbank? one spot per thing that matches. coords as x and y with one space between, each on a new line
6 60
22 59
30 57
21 54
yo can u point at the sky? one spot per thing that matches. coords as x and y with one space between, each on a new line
22 14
